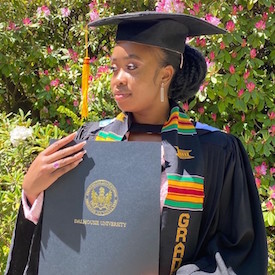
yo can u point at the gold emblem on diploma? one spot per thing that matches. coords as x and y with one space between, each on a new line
101 197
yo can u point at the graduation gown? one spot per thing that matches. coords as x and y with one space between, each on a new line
230 238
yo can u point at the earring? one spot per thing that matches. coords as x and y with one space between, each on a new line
162 92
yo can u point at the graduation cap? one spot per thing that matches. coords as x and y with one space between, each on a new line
165 30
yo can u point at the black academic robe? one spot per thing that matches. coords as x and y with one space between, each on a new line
231 238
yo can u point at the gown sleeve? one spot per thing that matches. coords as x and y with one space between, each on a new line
25 246
232 235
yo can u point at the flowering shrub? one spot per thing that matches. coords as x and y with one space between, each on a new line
20 142
41 55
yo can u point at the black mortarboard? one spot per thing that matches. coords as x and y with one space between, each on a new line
164 30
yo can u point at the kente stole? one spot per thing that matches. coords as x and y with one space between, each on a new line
182 211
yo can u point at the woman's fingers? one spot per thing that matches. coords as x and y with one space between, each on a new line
59 144
60 163
65 169
65 152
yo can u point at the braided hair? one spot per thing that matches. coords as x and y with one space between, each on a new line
186 81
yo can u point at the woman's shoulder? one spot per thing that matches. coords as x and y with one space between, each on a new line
213 137
90 129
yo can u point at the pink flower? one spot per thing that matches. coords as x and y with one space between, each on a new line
196 7
260 25
44 10
56 123
272 171
49 49
91 77
240 93
212 19
11 26
222 45
55 82
46 72
212 55
234 54
265 16
253 133
170 6
234 10
201 110
269 205
101 70
258 182
227 129
47 88
230 26
261 169
26 21
94 15
271 9
93 4
65 12
271 130
73 55
76 103
253 53
271 115
272 189
243 117
93 59
246 74
232 69
203 42
243 43
185 106
250 86
209 63
67 67
214 116
240 8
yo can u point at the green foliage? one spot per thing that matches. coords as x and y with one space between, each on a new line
17 152
41 55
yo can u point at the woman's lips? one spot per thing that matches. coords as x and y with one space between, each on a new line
121 96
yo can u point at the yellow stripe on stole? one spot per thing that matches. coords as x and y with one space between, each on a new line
184 198
180 184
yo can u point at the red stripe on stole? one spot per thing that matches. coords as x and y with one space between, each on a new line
184 191
174 116
177 118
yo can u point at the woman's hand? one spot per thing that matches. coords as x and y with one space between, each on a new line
51 164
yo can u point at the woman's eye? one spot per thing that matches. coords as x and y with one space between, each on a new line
131 66
113 68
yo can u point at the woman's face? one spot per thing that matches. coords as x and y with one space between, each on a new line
137 77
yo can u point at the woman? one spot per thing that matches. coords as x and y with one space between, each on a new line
221 231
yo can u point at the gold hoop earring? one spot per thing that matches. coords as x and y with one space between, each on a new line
162 92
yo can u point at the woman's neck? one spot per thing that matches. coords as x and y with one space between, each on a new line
155 116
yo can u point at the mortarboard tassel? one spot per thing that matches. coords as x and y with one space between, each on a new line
85 78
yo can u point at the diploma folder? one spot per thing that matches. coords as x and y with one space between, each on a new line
103 217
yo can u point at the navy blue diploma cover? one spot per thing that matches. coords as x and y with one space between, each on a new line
103 217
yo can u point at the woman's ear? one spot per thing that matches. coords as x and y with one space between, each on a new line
167 74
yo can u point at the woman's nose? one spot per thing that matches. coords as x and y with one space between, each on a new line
120 77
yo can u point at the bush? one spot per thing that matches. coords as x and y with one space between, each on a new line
20 142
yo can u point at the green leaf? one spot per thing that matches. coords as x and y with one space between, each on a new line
271 219
227 57
221 106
